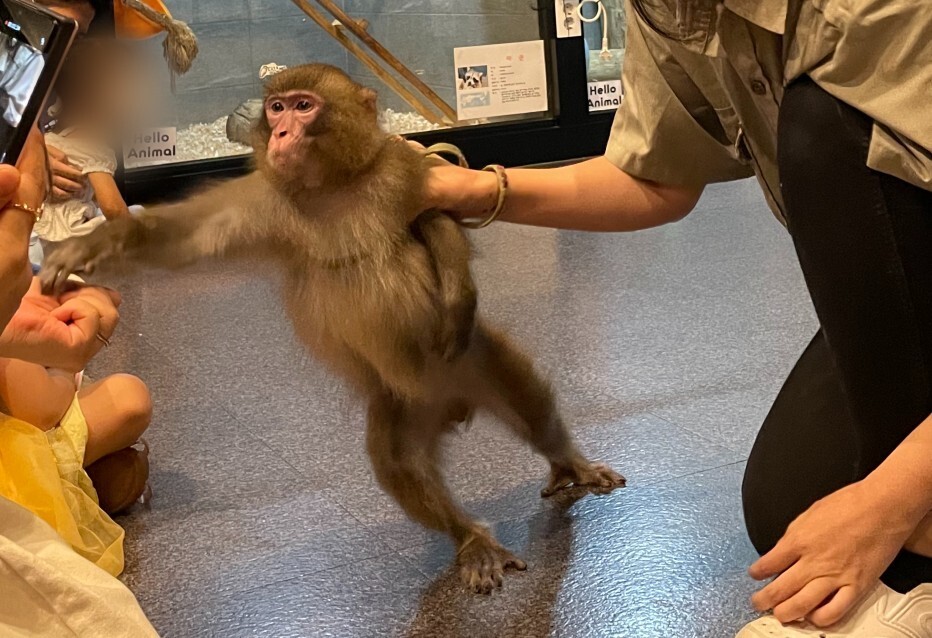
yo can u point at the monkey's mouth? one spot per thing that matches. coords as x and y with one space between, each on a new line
285 165
288 152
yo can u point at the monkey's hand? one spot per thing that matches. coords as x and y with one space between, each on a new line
449 251
81 255
452 341
456 327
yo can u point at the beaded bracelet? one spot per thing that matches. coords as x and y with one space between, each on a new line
492 213
495 211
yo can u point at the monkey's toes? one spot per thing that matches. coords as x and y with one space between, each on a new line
599 478
483 564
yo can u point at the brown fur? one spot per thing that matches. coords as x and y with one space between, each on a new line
378 291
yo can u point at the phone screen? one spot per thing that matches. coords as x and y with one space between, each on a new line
30 53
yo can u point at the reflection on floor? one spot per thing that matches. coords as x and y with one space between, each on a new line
667 347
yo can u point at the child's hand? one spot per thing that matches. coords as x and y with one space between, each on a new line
66 179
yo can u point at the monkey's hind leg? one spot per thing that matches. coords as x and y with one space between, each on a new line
519 396
403 442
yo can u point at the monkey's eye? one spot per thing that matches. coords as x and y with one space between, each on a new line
277 107
304 105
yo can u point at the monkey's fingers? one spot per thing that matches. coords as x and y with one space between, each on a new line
47 280
482 565
475 580
598 478
53 280
58 268
604 479
515 563
498 575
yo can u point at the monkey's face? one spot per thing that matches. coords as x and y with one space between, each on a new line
291 118
319 128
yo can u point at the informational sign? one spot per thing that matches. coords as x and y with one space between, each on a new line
568 22
500 79
605 96
155 143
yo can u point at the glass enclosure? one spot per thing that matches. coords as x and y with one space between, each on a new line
504 80
213 106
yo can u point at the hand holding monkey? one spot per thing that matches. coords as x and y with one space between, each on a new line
461 192
377 290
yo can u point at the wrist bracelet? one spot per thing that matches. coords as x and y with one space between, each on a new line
495 211
442 149
26 208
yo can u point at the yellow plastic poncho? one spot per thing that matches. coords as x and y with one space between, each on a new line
43 472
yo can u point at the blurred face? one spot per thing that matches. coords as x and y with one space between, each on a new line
102 86
81 12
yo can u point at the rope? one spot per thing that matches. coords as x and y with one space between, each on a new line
180 45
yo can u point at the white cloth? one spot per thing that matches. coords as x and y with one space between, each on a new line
48 590
36 250
20 68
79 215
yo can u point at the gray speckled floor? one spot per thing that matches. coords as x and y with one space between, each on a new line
667 347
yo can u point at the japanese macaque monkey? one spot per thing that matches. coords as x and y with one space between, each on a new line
378 290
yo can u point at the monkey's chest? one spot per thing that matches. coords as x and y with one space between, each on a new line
389 299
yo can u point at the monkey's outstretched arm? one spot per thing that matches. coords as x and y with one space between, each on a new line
450 251
211 223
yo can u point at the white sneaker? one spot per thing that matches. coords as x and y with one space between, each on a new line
883 613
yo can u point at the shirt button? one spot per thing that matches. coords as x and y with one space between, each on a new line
759 87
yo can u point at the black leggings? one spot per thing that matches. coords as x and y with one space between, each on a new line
864 241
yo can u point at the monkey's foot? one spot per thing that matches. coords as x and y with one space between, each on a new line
483 562
598 478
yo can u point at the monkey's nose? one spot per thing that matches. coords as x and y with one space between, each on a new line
282 134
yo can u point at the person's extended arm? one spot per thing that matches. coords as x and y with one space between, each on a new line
15 227
593 195
25 186
108 195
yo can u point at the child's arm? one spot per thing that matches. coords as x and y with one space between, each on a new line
34 394
108 196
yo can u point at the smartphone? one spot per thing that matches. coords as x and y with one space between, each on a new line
33 44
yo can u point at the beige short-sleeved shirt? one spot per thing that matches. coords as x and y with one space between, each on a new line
704 109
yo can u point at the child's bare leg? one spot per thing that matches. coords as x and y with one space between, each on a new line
118 410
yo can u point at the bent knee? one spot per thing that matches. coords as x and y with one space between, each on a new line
132 401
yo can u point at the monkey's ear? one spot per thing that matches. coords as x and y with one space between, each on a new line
369 99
